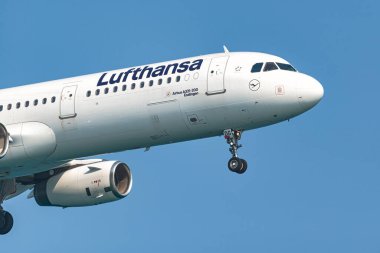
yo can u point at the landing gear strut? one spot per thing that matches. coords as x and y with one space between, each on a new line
235 164
7 187
6 222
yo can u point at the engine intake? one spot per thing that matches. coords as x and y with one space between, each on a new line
4 141
86 185
120 179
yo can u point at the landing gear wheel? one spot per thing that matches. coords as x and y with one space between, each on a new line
6 222
235 164
244 167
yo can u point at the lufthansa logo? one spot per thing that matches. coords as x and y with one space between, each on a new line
254 85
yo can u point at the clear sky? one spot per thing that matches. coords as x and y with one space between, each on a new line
313 184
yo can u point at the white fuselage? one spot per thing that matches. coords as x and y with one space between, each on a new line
219 92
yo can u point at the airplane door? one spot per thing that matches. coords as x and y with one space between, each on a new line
215 76
67 109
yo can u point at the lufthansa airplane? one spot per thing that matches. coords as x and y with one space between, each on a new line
46 127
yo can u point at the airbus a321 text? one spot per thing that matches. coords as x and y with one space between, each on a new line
46 127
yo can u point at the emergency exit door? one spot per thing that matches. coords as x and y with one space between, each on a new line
67 109
215 77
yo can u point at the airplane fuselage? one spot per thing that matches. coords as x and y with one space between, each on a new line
146 106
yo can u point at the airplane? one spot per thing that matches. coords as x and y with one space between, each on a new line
48 129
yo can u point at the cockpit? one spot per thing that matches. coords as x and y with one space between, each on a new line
270 66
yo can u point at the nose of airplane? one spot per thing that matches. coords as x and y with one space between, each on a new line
310 92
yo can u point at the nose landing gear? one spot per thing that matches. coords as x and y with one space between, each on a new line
6 222
235 164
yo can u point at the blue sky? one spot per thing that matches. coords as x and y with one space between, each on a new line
312 183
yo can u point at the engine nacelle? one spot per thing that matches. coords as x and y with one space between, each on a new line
86 185
26 142
4 141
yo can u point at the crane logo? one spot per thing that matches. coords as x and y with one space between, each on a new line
254 85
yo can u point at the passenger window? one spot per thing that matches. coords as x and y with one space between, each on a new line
88 93
142 85
169 80
178 78
52 100
97 92
106 90
151 83
35 102
133 86
18 105
115 89
1 108
269 66
159 81
44 101
257 67
285 66
124 87
26 103
9 107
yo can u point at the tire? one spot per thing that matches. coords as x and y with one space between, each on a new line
234 164
244 167
6 222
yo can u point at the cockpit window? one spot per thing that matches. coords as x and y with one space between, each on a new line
287 67
257 67
269 66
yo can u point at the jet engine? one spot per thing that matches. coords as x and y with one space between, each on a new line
86 185
4 141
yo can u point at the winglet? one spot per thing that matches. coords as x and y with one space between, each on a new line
226 51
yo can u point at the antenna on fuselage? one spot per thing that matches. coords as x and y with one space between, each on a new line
226 51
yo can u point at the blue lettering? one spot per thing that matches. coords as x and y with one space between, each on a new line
101 82
127 73
183 67
113 81
196 65
159 71
134 77
175 66
146 68
148 72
